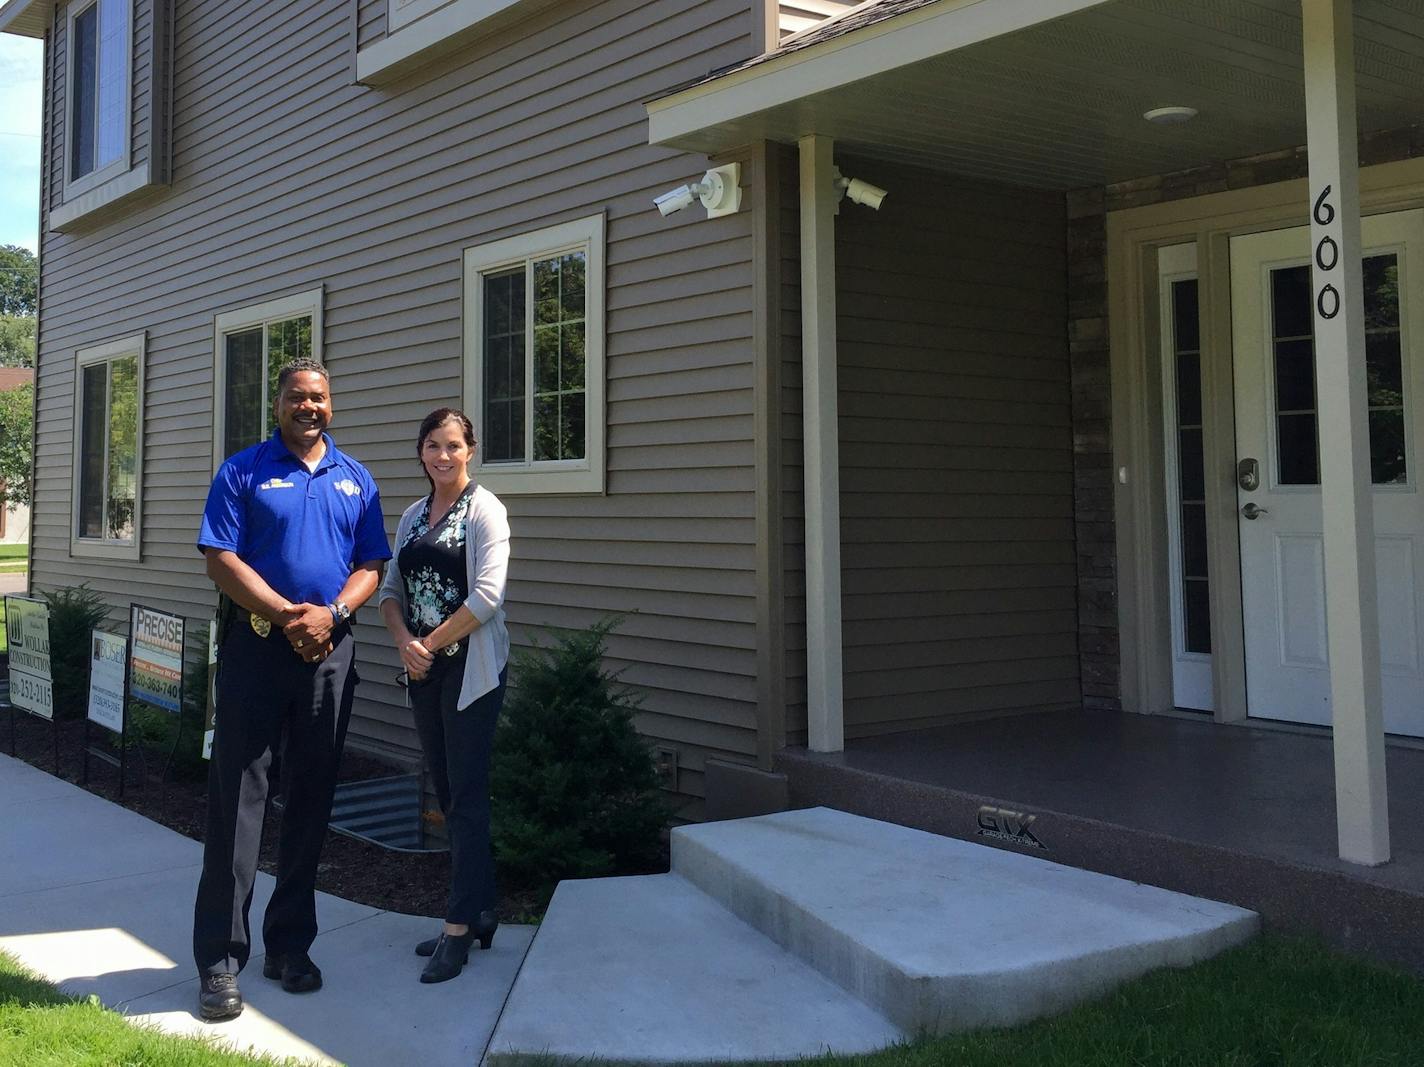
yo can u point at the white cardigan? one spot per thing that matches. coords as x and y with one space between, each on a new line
486 565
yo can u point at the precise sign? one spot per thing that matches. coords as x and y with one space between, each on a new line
156 658
107 655
27 630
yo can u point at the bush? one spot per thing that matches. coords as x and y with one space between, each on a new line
574 787
72 614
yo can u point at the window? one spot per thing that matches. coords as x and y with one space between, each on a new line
1293 346
534 359
108 457
100 70
250 346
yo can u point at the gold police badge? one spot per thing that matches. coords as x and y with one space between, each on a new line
260 626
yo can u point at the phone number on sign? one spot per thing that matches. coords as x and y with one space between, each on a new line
33 694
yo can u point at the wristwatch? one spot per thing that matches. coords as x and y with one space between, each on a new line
339 612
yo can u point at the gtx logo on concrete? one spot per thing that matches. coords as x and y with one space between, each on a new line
1011 826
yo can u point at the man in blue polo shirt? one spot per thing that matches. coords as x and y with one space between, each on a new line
293 534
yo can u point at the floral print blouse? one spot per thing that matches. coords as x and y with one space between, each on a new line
432 562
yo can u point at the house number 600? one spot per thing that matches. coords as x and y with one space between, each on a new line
1327 256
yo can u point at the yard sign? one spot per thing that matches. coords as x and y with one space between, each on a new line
27 630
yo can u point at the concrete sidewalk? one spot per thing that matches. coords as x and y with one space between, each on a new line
100 900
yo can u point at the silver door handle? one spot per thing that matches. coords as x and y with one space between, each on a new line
1252 511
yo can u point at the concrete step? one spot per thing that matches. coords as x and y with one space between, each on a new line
943 935
651 970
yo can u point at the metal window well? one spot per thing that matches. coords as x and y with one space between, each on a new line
385 811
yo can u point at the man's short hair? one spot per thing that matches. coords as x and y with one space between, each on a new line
300 366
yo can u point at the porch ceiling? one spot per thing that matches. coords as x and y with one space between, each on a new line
1057 104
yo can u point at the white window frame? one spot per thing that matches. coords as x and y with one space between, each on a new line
103 547
74 187
269 311
547 476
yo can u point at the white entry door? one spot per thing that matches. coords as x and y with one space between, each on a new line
1277 446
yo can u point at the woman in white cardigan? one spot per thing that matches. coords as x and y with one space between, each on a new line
443 603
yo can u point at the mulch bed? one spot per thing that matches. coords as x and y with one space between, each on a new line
411 883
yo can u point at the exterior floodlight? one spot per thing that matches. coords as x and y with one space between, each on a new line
720 192
859 192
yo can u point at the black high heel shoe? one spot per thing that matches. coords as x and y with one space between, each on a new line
451 953
483 930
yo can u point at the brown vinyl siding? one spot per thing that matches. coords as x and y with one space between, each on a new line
957 551
958 565
371 21
299 179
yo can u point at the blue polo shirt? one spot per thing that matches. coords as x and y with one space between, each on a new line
302 531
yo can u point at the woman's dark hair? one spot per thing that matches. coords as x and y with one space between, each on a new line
432 422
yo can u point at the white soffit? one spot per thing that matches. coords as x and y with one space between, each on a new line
1056 99
26 18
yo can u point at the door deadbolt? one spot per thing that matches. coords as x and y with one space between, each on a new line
1248 475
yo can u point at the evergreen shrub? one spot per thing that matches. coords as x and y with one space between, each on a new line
73 613
574 788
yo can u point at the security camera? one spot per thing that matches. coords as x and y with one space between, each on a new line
675 201
860 192
719 191
864 193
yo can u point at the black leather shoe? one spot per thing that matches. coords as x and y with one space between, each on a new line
219 997
449 958
484 934
295 969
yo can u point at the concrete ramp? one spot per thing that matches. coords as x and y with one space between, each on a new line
940 934
810 931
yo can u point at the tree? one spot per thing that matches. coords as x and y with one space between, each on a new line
17 341
19 280
17 414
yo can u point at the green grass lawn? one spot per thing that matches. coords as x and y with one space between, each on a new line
14 552
1277 1002
41 1027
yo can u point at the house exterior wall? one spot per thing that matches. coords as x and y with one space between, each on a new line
956 461
299 178
1098 604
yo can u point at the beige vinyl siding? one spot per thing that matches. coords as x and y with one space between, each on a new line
957 551
302 179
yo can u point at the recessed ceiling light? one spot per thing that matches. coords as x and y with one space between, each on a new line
1170 116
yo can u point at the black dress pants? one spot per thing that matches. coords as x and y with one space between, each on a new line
269 701
457 743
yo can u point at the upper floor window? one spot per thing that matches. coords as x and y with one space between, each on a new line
534 359
251 345
108 457
100 71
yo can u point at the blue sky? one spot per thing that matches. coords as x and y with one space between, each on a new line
21 59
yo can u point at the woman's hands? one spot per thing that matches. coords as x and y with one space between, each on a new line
416 658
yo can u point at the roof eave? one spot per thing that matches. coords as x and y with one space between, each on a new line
26 18
692 117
